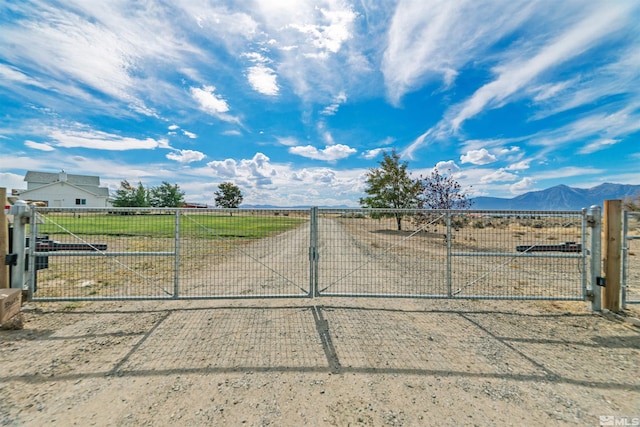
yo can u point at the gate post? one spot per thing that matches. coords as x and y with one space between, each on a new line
4 241
595 222
20 212
313 253
176 257
612 252
449 238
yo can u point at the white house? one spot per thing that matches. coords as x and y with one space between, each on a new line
63 190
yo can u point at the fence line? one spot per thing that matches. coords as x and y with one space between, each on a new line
94 254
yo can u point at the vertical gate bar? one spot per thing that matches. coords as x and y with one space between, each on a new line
313 252
176 274
625 251
596 256
584 254
449 238
33 233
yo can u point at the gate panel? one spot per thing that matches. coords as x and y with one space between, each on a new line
453 254
97 254
244 253
630 261
519 255
100 254
362 253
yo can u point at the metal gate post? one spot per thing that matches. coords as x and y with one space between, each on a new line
449 238
595 222
20 212
313 253
176 267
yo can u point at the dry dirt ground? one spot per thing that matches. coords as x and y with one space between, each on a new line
314 362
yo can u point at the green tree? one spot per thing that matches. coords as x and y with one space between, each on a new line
166 195
228 195
128 196
390 186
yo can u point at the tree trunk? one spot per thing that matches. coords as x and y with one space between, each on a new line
399 221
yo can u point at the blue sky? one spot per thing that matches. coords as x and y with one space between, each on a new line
294 100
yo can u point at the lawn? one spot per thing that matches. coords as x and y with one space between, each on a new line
254 225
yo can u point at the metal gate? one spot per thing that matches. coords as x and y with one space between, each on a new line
454 254
98 254
630 262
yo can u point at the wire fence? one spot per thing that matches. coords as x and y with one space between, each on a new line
449 254
240 253
630 261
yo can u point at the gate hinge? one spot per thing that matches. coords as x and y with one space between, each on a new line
11 259
591 221
590 295
313 254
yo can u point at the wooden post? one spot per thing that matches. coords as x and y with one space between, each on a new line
4 240
612 227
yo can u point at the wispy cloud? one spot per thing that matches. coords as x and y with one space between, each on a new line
79 136
433 40
517 74
41 146
330 153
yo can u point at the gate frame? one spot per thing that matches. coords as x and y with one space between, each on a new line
590 289
625 255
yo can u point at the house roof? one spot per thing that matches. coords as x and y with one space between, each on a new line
101 191
48 177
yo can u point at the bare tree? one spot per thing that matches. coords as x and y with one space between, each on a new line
440 191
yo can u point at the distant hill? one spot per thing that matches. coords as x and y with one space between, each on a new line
560 197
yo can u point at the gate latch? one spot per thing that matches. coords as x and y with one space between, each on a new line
601 281
11 259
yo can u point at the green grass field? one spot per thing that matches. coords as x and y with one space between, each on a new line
202 225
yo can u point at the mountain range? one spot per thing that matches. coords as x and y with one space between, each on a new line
560 197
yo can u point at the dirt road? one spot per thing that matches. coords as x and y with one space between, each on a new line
345 362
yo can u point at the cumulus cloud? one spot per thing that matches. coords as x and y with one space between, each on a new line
330 153
522 186
522 165
209 102
263 79
372 154
257 171
189 134
448 166
478 157
499 175
186 156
